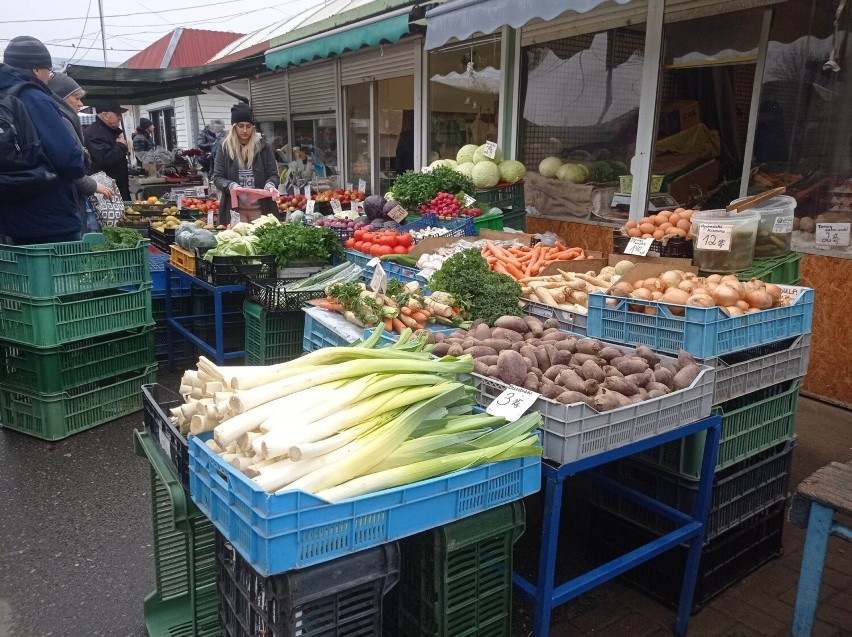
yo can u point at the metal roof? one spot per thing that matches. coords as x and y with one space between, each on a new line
182 48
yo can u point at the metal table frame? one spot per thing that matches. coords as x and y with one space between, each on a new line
217 351
546 595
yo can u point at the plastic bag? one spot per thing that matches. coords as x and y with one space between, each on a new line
189 236
549 239
107 211
242 197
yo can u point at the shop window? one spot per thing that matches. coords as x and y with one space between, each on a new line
275 133
395 128
165 132
317 137
359 150
464 88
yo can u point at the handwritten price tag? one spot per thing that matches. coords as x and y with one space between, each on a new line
379 282
469 201
490 150
362 185
425 170
307 191
309 207
638 247
357 207
512 403
714 236
336 208
398 214
349 186
209 217
832 235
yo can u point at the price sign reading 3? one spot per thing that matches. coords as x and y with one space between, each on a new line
512 403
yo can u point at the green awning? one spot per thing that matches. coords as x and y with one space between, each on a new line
339 41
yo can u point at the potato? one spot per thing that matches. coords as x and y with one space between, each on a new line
470 342
538 373
572 398
497 344
561 358
640 380
542 358
488 360
511 335
531 382
550 330
569 379
684 358
556 336
551 323
664 376
511 367
686 376
480 350
535 325
609 370
553 372
621 385
529 362
657 386
648 354
592 371
480 368
517 347
615 362
607 399
535 342
549 389
441 349
527 351
551 351
568 345
609 352
529 336
514 323
634 365
455 350
656 393
493 371
589 346
476 323
481 332
579 359
671 367
460 334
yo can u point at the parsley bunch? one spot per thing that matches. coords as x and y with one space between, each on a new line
412 189
294 241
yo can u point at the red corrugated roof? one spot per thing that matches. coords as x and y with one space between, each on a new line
242 53
194 48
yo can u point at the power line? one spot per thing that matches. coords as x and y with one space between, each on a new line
83 31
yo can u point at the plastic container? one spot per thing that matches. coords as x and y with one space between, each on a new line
342 598
703 332
739 492
185 600
573 432
157 264
724 241
185 354
725 561
509 198
293 529
516 220
457 579
58 269
488 221
326 330
51 322
57 416
775 230
460 227
161 239
272 337
272 295
750 424
779 270
568 321
234 270
157 401
184 260
393 270
66 367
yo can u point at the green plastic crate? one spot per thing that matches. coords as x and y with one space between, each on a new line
456 580
517 220
272 337
780 270
185 602
63 368
52 322
490 221
507 198
750 424
57 416
58 269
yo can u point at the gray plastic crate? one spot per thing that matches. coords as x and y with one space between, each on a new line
568 321
572 432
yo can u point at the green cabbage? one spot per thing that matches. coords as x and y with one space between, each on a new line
465 153
479 156
572 173
485 174
549 166
465 168
511 170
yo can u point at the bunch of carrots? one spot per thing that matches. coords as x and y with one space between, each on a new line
522 261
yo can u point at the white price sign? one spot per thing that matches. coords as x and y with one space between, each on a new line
362 185
398 214
512 403
357 207
714 236
349 186
425 170
180 202
638 247
309 208
336 208
490 150
782 225
372 263
209 217
307 191
379 282
832 235
468 200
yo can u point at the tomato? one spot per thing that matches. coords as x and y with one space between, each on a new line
400 250
404 239
376 250
383 250
366 247
359 233
350 243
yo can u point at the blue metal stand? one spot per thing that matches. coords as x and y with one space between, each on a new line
173 323
546 595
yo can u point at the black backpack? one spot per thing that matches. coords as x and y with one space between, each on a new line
24 168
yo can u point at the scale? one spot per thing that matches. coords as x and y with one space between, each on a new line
656 202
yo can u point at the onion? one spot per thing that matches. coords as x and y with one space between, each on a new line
671 278
641 293
702 289
678 297
622 288
712 285
725 295
701 300
653 284
656 296
688 285
730 279
714 278
755 284
752 310
775 292
690 276
612 303
743 306
759 299
733 310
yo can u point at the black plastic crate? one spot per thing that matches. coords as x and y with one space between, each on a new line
161 239
674 248
739 492
339 598
234 270
509 197
272 295
724 561
185 353
156 403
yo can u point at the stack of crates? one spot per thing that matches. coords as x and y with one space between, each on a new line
181 305
756 394
76 336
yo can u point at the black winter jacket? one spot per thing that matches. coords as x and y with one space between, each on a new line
226 172
108 155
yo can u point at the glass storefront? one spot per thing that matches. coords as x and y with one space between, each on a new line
317 137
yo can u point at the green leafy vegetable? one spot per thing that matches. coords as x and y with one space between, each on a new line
117 239
483 294
413 189
294 241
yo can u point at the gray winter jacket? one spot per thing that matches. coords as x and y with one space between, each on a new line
226 172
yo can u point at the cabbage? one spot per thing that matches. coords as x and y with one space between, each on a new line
511 170
441 162
452 163
390 205
601 171
479 156
465 153
572 173
485 174
465 168
549 166
373 206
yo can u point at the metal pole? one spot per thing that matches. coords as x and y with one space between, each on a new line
754 108
103 31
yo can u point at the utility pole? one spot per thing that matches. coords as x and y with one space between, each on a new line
103 31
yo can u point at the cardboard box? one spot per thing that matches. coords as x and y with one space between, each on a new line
427 246
677 116
669 262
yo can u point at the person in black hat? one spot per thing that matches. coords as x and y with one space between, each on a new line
107 145
143 138
245 160
49 213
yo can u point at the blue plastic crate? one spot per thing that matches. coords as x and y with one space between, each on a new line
460 227
703 332
181 286
393 270
392 337
319 334
283 531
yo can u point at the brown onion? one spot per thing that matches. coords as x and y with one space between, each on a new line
774 291
671 278
730 279
733 310
759 299
725 295
678 297
641 293
656 296
755 284
743 306
687 285
714 278
701 300
653 284
622 288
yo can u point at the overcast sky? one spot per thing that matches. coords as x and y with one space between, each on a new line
63 27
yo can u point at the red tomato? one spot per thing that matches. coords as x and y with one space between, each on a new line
376 250
400 250
366 247
383 250
350 243
404 239
359 233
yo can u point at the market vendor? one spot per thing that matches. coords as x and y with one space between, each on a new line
301 170
245 160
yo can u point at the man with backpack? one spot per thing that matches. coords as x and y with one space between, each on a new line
39 157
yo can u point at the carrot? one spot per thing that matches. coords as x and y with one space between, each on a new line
491 260
406 310
410 322
388 324
420 317
514 271
499 267
398 326
328 305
